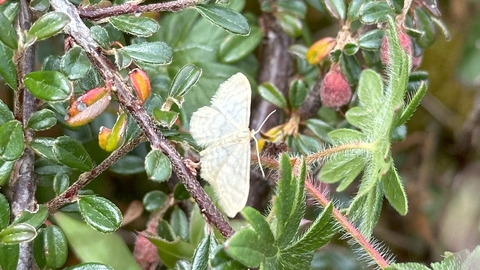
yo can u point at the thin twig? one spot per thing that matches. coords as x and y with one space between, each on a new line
80 33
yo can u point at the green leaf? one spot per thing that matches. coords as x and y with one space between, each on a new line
158 53
350 68
51 247
262 228
75 63
343 135
158 166
42 120
100 35
100 213
360 117
298 92
179 223
133 25
341 168
235 48
94 246
247 247
395 192
35 218
4 212
354 8
291 24
128 165
396 5
336 8
11 140
18 233
10 9
171 251
197 224
8 36
203 252
71 153
60 183
123 59
425 24
90 266
412 105
372 40
271 94
43 146
6 168
407 266
46 167
370 89
317 235
7 67
165 118
48 85
350 48
9 256
154 200
319 128
40 6
48 25
225 18
184 80
374 12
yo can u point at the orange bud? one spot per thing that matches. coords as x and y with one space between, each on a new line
140 83
103 136
110 139
320 50
2 2
88 106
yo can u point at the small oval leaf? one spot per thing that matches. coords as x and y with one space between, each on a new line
8 36
71 153
235 48
225 18
48 85
18 233
48 25
150 52
11 140
100 213
42 120
158 166
271 94
75 63
51 245
154 200
137 26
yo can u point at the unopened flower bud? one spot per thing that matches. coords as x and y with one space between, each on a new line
88 106
335 91
405 43
140 83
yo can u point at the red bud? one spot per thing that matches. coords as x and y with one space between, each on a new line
405 43
335 91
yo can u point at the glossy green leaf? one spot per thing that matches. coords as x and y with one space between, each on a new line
123 59
60 183
75 63
395 192
372 40
203 252
10 9
158 166
133 25
100 213
291 24
42 120
128 165
94 246
46 167
179 223
8 36
306 144
100 35
89 266
298 92
319 128
18 233
7 67
416 79
9 256
33 218
271 94
150 52
341 169
336 8
354 8
184 80
370 89
350 48
154 200
71 153
48 25
374 12
246 247
350 68
425 24
165 118
4 212
51 247
197 226
225 18
396 5
48 85
235 48
6 168
43 146
11 140
40 5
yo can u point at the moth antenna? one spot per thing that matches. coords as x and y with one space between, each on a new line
256 142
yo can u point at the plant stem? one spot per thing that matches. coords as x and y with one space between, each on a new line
79 32
84 179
